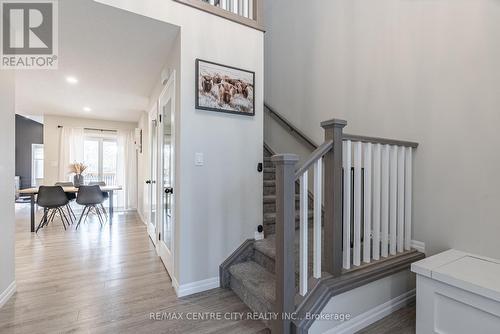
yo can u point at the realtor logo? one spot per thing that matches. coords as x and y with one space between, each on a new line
29 34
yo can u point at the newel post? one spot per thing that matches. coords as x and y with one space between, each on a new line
285 236
332 260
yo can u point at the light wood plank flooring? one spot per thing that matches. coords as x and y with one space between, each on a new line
400 322
103 281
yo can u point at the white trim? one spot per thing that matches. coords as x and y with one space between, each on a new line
5 296
195 287
141 217
375 314
418 245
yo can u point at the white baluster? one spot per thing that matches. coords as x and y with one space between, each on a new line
234 7
408 196
303 279
318 178
356 257
246 4
347 204
367 203
393 191
241 9
224 4
401 198
385 202
251 4
212 2
376 201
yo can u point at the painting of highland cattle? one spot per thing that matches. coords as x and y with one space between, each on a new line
224 88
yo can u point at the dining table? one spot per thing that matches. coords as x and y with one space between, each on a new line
32 192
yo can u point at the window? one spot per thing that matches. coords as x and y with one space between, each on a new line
36 164
101 155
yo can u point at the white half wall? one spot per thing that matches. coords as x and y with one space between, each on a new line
219 205
366 305
7 195
427 71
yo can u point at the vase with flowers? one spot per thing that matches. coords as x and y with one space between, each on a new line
78 168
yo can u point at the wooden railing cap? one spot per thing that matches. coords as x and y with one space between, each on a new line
334 123
285 159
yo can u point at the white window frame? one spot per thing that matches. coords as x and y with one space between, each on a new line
100 150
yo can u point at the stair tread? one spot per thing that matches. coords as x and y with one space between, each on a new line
256 279
268 245
272 198
272 215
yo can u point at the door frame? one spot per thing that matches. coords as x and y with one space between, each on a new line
166 255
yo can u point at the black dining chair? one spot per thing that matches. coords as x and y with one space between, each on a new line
52 200
92 198
104 193
71 198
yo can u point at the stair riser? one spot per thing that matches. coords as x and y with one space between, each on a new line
269 190
268 164
264 260
269 176
271 207
270 225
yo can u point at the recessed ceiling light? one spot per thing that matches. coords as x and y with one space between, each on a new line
87 109
72 80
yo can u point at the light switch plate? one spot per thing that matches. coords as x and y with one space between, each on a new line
199 159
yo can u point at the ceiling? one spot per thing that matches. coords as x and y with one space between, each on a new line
116 56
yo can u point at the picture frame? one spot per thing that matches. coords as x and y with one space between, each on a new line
223 88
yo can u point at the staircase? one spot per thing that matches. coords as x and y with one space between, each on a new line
260 271
253 280
269 220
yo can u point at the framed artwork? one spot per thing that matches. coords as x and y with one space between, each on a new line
224 88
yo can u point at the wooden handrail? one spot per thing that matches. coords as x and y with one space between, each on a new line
315 156
378 140
255 23
293 130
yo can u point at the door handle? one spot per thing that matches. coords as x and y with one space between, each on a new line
169 190
148 181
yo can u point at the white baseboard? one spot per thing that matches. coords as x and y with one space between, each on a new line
418 245
5 296
375 314
141 217
195 287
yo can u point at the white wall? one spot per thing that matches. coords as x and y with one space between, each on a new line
219 204
7 160
427 71
51 136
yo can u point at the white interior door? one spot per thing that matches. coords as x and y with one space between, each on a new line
153 175
166 188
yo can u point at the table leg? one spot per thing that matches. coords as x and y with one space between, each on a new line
32 203
110 199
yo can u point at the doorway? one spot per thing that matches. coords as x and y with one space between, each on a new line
161 213
166 108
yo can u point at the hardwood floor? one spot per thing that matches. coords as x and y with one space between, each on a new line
400 322
105 280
